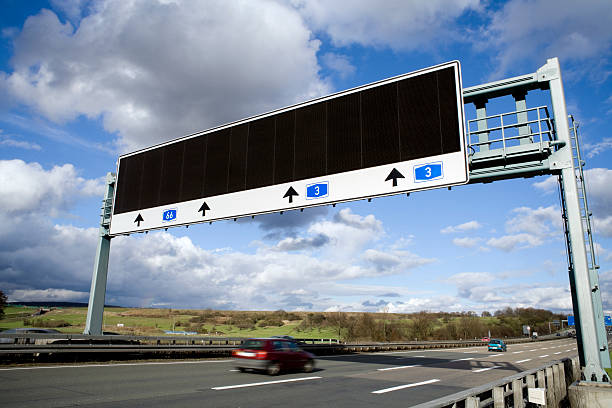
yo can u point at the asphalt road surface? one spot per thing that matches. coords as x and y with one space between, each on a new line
394 379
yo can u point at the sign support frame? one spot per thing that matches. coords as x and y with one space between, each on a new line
586 296
97 294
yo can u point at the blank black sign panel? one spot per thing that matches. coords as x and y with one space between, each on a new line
400 119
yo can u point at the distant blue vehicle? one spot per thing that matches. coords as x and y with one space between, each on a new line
497 345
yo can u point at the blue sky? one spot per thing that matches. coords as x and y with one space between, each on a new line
84 81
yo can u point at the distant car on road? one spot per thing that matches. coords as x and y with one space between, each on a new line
485 339
272 355
496 345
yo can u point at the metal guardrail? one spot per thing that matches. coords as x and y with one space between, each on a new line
555 377
35 344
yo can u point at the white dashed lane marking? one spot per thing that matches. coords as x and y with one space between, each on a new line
480 370
545 355
401 387
462 359
229 387
523 361
398 368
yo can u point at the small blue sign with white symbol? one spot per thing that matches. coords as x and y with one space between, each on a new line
570 321
169 215
427 172
608 320
317 190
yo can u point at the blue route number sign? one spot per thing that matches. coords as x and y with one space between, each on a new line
169 215
427 172
317 190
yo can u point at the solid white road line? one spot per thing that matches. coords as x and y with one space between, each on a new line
522 361
397 368
480 370
113 365
401 387
229 387
545 355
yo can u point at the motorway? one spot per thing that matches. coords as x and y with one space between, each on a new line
392 379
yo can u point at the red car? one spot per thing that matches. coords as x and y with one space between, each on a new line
272 355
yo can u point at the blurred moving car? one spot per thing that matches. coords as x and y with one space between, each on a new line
485 339
272 355
496 345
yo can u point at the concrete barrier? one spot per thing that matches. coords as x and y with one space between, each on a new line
590 395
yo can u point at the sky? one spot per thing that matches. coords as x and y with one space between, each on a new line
82 82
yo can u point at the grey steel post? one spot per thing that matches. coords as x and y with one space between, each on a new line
97 293
522 117
592 343
481 114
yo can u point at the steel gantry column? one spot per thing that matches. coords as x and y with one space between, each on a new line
95 309
594 342
536 156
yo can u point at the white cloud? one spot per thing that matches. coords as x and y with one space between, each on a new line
394 262
534 30
483 290
599 193
466 226
466 242
296 244
48 295
348 233
598 182
339 64
603 225
401 25
542 221
5 140
510 242
438 303
595 149
157 70
27 187
41 261
548 184
529 228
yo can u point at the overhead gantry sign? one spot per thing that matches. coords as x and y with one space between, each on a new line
394 136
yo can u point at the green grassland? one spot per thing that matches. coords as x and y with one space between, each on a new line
155 322
346 326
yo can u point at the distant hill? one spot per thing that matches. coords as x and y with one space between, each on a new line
53 304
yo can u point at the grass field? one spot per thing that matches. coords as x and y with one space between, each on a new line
349 326
154 322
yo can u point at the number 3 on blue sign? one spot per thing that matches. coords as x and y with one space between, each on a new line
427 172
318 190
